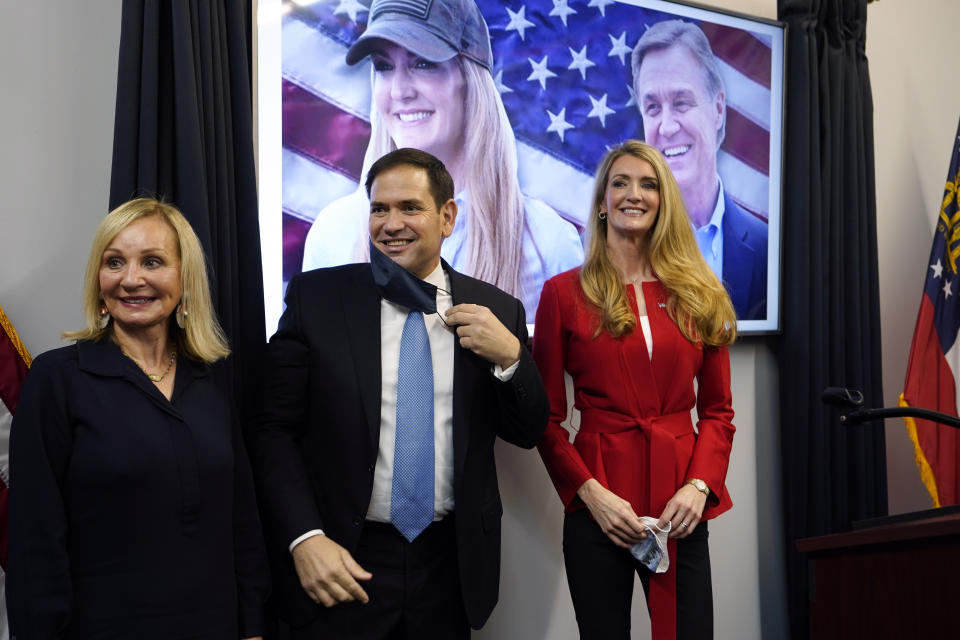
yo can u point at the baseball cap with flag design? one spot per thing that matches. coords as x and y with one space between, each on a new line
436 30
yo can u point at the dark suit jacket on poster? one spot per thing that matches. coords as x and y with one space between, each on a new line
318 428
744 260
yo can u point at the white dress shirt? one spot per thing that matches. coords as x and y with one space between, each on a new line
441 337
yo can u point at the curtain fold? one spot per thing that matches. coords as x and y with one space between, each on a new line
832 475
184 132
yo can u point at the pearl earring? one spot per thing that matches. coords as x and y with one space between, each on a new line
181 316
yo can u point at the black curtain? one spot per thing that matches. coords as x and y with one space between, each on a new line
184 132
832 475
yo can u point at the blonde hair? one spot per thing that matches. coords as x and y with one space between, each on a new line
697 301
203 338
494 230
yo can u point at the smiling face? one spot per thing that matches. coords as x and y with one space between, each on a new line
632 197
406 224
421 102
140 275
680 119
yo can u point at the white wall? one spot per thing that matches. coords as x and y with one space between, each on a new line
911 48
58 67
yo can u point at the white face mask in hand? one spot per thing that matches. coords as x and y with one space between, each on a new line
652 551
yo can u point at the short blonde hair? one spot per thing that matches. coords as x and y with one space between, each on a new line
203 338
698 303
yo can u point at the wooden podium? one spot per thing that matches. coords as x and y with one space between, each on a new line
898 578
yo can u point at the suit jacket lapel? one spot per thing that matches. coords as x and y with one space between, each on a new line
737 273
361 315
464 377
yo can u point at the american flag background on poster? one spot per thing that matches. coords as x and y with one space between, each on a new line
562 69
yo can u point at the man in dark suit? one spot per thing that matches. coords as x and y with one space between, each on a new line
681 97
381 506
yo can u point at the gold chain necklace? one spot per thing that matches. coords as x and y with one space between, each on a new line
155 377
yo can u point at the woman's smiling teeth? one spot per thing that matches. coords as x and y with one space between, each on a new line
136 300
631 211
414 117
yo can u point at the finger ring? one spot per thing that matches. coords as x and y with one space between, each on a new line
683 524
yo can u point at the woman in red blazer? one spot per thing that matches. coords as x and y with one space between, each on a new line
635 326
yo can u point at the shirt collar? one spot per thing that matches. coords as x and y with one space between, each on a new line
104 357
709 237
439 278
716 220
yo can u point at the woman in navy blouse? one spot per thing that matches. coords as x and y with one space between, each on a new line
132 510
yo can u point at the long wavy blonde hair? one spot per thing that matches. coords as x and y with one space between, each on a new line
495 224
697 301
203 338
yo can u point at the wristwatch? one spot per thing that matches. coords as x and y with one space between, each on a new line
699 485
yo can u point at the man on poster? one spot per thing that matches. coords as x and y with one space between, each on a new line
682 101
384 390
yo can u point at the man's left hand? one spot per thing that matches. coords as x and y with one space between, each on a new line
481 332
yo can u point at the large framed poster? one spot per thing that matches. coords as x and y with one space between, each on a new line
523 136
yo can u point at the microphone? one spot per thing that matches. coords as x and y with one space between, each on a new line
843 398
852 411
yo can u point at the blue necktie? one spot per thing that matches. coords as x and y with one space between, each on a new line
411 503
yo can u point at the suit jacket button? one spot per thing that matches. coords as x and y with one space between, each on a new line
356 522
370 468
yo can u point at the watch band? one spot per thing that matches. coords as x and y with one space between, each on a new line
699 485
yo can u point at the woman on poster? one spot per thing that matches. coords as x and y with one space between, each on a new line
433 90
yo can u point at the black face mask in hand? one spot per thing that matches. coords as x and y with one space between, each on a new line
399 286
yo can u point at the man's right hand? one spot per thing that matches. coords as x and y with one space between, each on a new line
328 573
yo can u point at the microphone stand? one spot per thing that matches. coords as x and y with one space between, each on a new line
864 415
857 413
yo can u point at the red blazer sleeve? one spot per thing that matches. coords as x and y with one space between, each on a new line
563 462
711 453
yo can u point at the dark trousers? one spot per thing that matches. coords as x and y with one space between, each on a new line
600 575
414 592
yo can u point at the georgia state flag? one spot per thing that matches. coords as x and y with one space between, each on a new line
934 363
